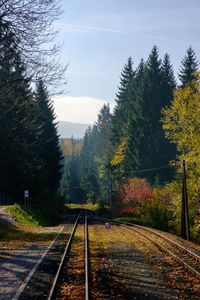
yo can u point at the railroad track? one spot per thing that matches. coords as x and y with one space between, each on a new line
43 279
54 292
185 256
79 238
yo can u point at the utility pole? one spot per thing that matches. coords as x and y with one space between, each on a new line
185 228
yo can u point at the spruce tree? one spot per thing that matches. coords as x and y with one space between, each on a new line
104 152
168 79
19 162
148 110
95 156
121 110
88 168
151 149
188 66
134 133
50 152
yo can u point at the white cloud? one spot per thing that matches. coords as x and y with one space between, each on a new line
77 109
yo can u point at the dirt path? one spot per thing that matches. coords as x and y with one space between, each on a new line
17 257
6 217
15 266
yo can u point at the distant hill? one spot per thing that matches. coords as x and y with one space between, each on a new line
68 129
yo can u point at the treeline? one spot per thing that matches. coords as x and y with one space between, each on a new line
29 144
130 142
70 184
87 176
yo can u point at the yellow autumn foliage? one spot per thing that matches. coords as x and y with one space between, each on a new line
119 154
181 123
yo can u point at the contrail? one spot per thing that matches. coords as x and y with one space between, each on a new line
147 36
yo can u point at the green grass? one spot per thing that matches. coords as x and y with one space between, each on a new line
32 218
129 219
11 234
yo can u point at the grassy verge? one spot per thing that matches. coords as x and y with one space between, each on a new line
129 219
8 234
92 207
100 210
32 218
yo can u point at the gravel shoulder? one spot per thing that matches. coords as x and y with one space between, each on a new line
15 266
17 258
130 273
133 268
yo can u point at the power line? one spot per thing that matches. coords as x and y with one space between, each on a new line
145 170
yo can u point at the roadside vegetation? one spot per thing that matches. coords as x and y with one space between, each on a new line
32 217
33 226
16 236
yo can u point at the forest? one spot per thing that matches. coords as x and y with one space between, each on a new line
131 160
30 155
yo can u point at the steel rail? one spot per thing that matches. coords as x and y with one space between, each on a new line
63 258
86 260
162 248
196 256
34 269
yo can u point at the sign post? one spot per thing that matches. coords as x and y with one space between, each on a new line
26 196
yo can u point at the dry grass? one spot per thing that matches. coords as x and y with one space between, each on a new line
92 207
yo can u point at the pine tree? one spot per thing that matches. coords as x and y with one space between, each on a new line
104 153
19 162
50 152
134 134
88 168
94 163
188 66
168 79
121 110
147 107
70 187
152 94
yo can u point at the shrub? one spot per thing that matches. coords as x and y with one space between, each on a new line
150 206
127 212
157 212
134 192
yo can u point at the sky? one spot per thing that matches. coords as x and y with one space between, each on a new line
97 38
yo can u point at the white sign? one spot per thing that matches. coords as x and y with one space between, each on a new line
26 194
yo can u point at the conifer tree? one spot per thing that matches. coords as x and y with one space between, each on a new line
19 162
70 187
104 153
150 98
50 152
168 79
88 171
94 163
121 110
147 106
188 67
134 134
